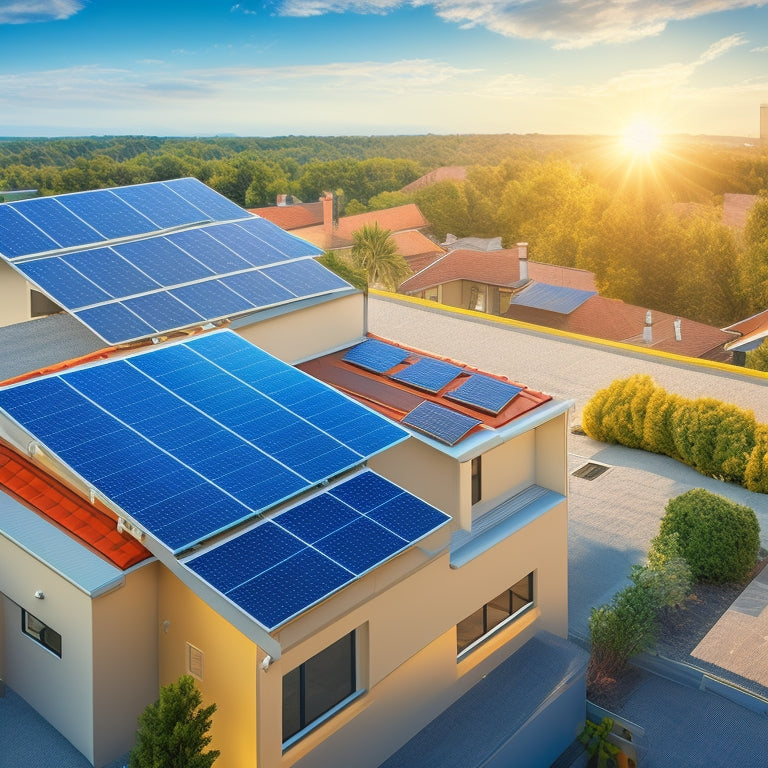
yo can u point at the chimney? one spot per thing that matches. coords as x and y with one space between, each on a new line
522 254
678 330
648 329
281 199
327 201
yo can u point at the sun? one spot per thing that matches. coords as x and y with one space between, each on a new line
641 138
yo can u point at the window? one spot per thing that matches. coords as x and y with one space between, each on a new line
195 660
500 611
317 688
476 480
34 628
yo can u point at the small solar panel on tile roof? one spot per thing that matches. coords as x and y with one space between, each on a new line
376 356
553 298
428 374
194 437
197 273
483 392
284 565
440 422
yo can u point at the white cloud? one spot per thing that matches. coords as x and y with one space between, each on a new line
29 11
563 23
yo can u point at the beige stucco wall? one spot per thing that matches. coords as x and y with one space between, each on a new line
14 296
230 668
125 633
311 331
60 689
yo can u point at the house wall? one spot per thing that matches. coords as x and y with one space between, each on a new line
125 634
60 689
229 668
407 660
309 332
14 296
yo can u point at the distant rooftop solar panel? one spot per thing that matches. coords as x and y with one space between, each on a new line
553 298
190 439
428 374
483 392
375 355
440 422
283 566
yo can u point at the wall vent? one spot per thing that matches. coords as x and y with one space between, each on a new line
590 470
194 661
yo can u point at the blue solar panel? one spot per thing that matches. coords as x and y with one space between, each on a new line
293 247
439 422
216 256
375 355
163 261
19 237
428 374
161 205
114 323
162 310
107 214
306 278
257 289
112 273
484 393
216 206
64 284
184 446
212 299
254 250
285 565
60 224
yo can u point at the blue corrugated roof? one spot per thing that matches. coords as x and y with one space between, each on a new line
552 298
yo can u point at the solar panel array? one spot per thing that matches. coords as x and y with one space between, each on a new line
376 356
428 374
483 392
192 438
222 263
284 565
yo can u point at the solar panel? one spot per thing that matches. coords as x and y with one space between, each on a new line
485 393
209 272
376 356
428 374
439 422
283 566
183 440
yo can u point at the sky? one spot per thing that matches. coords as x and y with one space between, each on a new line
381 67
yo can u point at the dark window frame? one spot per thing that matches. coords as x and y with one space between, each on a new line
522 590
49 638
477 479
301 695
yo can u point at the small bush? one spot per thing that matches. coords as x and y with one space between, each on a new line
667 573
756 471
718 538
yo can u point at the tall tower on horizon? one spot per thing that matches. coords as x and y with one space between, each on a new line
764 122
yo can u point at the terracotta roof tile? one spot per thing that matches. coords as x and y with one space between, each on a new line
501 268
292 216
95 527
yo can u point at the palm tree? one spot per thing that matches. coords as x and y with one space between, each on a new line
376 254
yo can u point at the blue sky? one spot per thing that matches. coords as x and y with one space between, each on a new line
334 67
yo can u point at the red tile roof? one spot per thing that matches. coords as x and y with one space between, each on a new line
501 268
397 219
750 332
395 400
446 173
614 320
292 216
92 525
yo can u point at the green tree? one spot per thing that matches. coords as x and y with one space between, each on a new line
173 732
375 253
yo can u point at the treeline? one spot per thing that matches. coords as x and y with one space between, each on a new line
651 232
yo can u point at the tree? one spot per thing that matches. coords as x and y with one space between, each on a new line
173 731
376 254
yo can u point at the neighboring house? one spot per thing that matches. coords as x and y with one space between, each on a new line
338 537
750 334
291 214
507 283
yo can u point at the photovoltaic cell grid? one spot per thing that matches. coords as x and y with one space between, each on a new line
428 374
290 562
485 393
376 356
158 283
192 438
44 224
439 422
